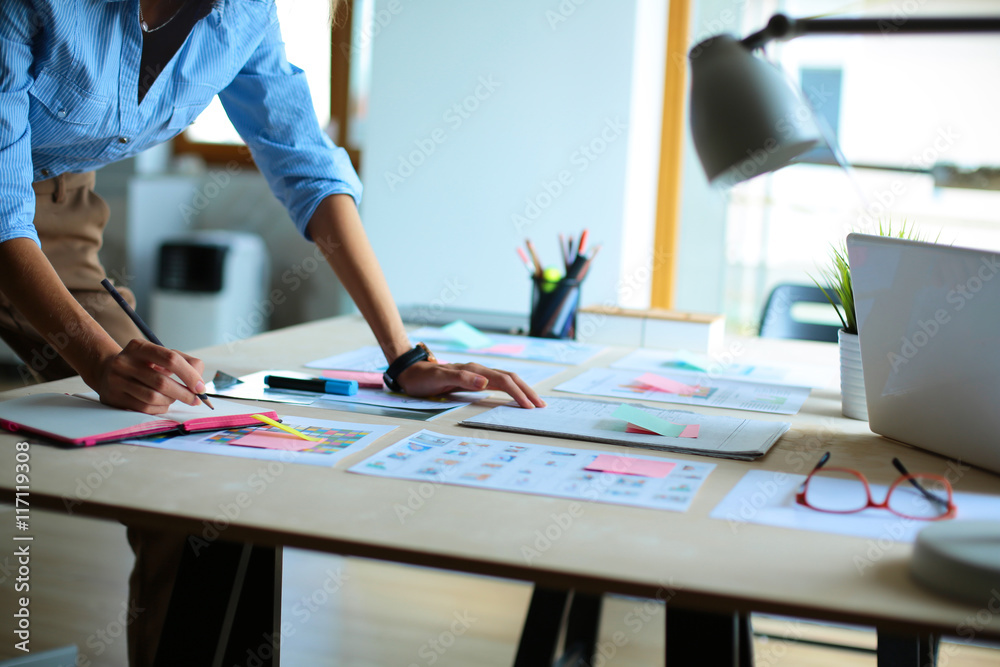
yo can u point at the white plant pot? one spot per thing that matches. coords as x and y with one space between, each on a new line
852 381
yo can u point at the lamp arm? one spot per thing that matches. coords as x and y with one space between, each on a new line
782 27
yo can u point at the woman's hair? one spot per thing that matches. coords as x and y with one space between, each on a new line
337 7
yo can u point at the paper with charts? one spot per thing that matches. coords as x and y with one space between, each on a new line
338 439
372 359
724 437
552 350
688 389
768 497
716 366
640 481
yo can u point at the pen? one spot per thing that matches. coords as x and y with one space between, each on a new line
146 331
583 243
317 385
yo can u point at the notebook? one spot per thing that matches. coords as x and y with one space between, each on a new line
83 420
929 327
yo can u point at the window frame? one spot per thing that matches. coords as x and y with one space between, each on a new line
340 68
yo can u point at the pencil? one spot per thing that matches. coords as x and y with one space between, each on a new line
143 327
534 257
524 260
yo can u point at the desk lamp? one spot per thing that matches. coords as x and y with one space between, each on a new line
747 119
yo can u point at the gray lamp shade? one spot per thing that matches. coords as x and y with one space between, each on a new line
746 118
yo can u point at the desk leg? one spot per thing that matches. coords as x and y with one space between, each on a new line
541 628
707 638
225 607
919 650
582 626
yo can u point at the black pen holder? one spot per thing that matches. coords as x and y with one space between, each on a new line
554 305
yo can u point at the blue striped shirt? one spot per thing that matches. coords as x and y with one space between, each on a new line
69 76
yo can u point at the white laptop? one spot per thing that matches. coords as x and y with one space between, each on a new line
929 323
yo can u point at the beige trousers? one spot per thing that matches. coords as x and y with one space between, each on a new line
70 219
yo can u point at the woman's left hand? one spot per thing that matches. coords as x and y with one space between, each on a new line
427 378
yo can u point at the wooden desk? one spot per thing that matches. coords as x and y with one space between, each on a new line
689 559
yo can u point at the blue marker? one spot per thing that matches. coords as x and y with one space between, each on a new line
316 385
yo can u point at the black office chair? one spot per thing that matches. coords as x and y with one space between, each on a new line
778 320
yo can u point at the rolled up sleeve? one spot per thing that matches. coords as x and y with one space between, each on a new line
269 104
17 200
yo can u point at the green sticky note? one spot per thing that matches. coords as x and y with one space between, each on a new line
466 335
647 421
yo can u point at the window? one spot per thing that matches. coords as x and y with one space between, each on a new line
310 41
904 109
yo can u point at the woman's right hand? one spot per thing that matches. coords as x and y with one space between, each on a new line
140 378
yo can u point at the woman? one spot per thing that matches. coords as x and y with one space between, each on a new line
89 82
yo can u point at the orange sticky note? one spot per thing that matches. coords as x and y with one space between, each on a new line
626 465
271 440
660 383
367 380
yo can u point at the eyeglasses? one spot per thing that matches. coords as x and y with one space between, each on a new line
845 490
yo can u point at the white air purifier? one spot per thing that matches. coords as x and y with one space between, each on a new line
211 288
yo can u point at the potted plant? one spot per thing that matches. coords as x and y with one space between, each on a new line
837 276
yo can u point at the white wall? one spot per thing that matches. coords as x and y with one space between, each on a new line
701 263
451 191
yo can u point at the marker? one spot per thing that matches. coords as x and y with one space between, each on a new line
143 327
315 385
580 249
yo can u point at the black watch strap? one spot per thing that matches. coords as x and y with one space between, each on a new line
402 362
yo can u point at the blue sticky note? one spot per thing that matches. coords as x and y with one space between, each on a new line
466 335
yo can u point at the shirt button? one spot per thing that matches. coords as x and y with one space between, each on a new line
61 113
45 172
123 140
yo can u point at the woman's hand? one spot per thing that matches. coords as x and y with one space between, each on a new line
140 378
427 378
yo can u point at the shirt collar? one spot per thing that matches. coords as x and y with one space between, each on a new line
217 7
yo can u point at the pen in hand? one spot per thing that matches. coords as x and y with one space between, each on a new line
146 331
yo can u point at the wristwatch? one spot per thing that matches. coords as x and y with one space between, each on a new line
404 361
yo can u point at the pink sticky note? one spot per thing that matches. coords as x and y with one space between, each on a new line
512 349
660 383
367 380
690 431
269 440
626 465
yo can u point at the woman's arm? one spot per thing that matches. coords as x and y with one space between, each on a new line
336 227
137 378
